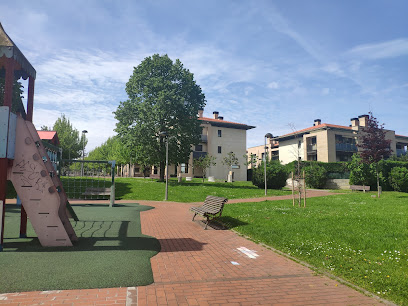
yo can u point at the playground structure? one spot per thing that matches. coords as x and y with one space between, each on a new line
25 162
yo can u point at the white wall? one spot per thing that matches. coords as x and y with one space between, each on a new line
289 151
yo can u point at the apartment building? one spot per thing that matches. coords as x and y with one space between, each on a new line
219 137
329 142
257 153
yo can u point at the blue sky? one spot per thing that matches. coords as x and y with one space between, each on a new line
271 64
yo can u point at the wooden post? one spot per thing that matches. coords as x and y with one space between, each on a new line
8 98
293 191
304 187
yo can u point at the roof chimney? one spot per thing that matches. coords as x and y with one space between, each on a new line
221 118
354 123
317 122
200 113
363 120
215 115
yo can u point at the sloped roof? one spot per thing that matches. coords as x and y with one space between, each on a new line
317 127
9 49
223 123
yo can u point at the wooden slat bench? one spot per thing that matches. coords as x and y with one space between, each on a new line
211 207
359 187
97 192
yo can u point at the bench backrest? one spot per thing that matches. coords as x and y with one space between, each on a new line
214 204
358 187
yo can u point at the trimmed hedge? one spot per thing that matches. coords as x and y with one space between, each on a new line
335 167
399 179
315 176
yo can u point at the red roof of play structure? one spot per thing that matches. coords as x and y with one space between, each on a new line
52 136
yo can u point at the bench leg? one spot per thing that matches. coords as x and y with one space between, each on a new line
208 220
194 216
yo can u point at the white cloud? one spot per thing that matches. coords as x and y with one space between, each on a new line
387 49
273 85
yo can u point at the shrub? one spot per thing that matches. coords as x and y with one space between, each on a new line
399 179
315 176
276 175
361 173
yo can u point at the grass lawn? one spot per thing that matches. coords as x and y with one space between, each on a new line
354 236
194 191
111 252
152 189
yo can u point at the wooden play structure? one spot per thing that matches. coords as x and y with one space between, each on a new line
24 159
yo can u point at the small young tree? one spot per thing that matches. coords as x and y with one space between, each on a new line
203 163
230 160
374 145
250 160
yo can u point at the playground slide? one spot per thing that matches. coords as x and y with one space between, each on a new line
39 188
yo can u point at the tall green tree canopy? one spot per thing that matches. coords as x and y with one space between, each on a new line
71 143
163 97
112 149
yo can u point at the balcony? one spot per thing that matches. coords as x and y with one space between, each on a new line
401 152
346 147
197 154
311 148
203 138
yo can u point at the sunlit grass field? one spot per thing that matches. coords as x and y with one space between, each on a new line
194 191
355 236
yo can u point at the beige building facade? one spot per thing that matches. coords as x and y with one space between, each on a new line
329 142
219 137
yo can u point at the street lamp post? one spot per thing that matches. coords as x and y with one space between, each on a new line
166 137
267 135
83 151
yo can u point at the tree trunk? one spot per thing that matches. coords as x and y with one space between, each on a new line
162 170
378 182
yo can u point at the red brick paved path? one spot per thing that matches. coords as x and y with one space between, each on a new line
195 267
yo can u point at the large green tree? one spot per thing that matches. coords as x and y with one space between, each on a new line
70 141
162 97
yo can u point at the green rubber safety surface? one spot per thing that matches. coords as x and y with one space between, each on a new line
111 252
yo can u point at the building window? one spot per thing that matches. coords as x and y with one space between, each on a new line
155 170
199 148
184 168
219 133
137 170
219 149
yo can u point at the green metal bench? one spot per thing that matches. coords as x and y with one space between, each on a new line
211 208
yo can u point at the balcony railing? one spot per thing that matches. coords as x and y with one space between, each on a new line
401 152
346 147
203 138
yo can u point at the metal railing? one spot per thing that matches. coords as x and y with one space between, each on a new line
346 147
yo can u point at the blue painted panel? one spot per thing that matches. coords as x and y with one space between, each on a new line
11 147
4 119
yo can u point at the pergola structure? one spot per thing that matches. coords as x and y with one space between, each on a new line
13 66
